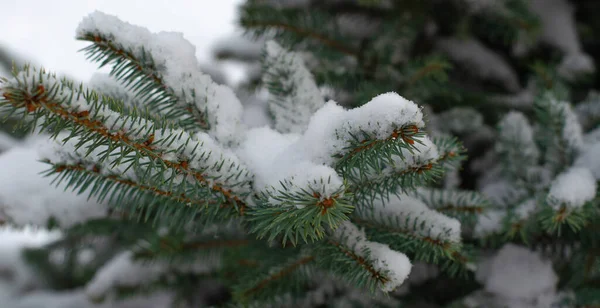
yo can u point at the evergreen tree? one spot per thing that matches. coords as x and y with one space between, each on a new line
352 195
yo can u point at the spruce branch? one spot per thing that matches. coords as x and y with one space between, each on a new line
509 22
365 264
553 221
142 76
365 144
413 216
292 25
294 95
452 152
562 138
516 145
279 274
159 204
168 78
166 248
367 152
404 180
348 189
302 214
460 204
401 236
431 68
346 263
422 166
163 149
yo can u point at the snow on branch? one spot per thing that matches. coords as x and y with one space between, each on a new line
376 140
294 95
289 186
516 143
561 128
388 124
481 61
560 30
103 83
572 188
490 222
514 128
390 267
169 154
294 173
122 271
335 134
516 277
460 204
163 69
413 216
27 197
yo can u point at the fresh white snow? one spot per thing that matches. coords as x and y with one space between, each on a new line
518 273
395 265
27 197
175 61
415 217
293 109
572 188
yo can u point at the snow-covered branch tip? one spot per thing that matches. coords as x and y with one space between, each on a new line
564 132
170 153
386 269
572 189
163 70
294 95
411 217
381 129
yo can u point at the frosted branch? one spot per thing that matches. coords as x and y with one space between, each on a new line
173 65
572 188
392 265
295 96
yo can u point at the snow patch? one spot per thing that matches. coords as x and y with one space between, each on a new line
394 265
572 188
